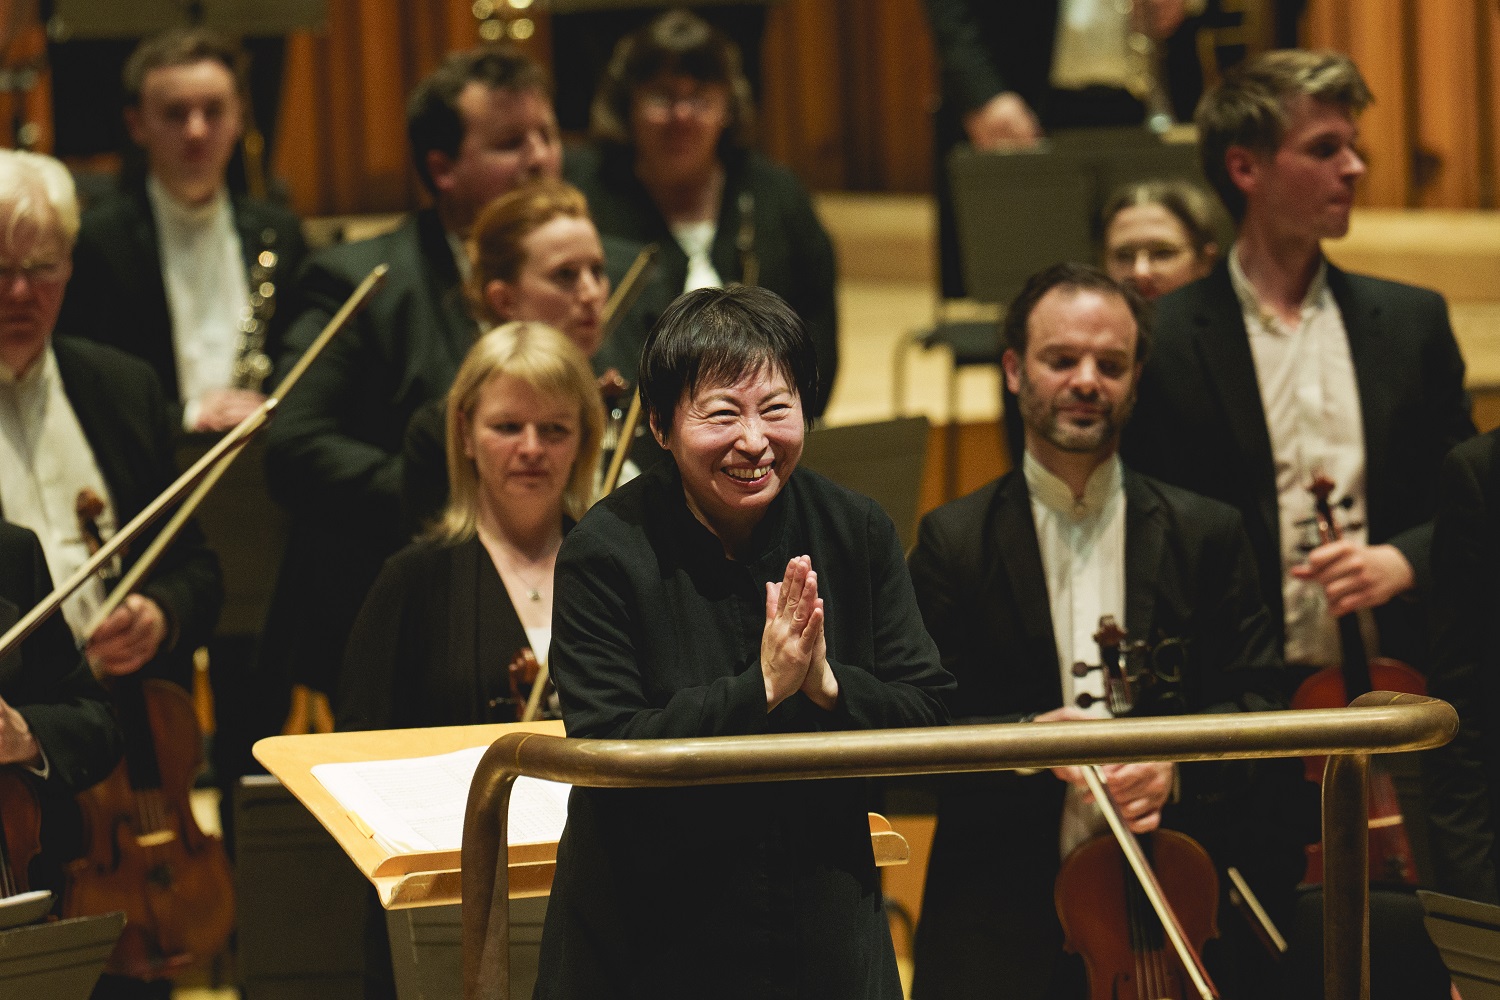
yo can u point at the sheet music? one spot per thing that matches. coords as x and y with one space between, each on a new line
417 804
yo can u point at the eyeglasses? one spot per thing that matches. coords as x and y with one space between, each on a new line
35 271
659 104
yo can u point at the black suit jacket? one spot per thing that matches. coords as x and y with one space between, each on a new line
1463 778
116 294
1199 422
129 426
46 679
987 913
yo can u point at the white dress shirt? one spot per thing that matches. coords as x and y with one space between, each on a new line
1093 44
1082 542
208 291
1311 401
45 462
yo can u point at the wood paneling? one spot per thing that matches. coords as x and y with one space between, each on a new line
1432 131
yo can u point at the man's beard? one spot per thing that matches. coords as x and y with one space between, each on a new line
1040 416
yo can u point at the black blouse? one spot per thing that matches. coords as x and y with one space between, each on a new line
741 890
432 643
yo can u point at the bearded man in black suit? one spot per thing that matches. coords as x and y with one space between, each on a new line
1012 581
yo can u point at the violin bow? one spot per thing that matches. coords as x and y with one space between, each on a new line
619 304
1131 848
207 470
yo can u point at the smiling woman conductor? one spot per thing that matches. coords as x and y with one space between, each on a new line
728 592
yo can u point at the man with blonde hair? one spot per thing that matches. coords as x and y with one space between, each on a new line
1279 369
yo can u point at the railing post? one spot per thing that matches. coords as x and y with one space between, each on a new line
486 873
1346 878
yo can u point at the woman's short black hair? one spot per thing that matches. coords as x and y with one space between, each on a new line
718 336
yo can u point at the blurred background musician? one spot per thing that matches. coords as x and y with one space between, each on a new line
450 612
672 164
479 125
162 269
1463 779
1012 581
170 268
1158 236
534 255
55 721
1279 364
78 416
729 592
1010 72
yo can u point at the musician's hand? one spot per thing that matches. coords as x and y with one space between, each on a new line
1072 775
1004 121
223 409
1163 17
17 745
793 632
129 637
1140 790
1357 576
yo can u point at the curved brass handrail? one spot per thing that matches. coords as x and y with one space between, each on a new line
1379 722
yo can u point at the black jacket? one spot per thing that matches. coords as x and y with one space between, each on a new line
987 912
741 890
116 294
1199 422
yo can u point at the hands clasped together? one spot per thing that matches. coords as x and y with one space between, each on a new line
1140 790
128 637
793 650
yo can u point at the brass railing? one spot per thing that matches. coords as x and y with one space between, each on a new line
1379 722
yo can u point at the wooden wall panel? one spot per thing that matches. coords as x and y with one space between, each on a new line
1448 118
1378 42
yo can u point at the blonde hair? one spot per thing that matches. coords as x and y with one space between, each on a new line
495 250
548 362
31 186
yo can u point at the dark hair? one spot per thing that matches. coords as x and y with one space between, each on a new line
1249 107
1075 278
433 122
181 47
718 336
678 42
1188 203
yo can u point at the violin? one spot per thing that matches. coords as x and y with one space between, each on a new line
529 683
20 831
145 853
1138 910
1335 687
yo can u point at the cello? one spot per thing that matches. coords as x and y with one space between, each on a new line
146 854
1336 687
1138 910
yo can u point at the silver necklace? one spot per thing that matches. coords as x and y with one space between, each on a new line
533 588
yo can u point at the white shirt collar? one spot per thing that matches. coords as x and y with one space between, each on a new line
1046 488
460 250
1250 302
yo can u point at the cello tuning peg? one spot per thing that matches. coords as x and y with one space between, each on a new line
1085 700
1081 669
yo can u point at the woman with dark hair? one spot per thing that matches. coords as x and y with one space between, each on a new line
729 592
672 122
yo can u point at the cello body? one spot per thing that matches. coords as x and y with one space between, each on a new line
146 854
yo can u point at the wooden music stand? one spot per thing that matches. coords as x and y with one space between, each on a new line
60 960
1467 935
